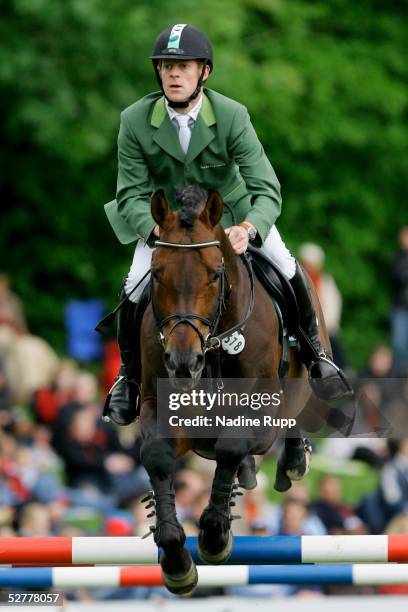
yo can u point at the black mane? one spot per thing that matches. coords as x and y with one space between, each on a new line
192 200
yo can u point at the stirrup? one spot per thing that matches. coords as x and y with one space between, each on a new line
106 413
327 380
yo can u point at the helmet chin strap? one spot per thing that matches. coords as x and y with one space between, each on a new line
196 92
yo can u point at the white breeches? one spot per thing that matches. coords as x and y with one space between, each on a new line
273 247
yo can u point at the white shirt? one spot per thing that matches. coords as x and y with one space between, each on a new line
193 113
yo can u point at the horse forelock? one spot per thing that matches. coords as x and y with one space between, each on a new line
192 201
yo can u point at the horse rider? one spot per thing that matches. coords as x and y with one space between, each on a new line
188 134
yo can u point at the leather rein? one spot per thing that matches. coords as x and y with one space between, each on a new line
210 341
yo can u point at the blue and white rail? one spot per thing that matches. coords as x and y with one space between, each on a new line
208 576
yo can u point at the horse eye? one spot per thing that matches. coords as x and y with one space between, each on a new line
215 276
155 274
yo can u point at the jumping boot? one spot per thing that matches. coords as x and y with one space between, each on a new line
326 379
121 404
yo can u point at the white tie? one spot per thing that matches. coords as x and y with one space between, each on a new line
184 131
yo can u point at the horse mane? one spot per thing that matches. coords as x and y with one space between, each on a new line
192 200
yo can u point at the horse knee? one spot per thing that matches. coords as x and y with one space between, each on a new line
158 458
247 473
230 453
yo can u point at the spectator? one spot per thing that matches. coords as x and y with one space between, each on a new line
379 363
394 481
391 497
312 259
7 514
30 363
298 494
14 489
337 517
84 445
377 389
35 520
5 399
256 505
11 308
48 400
139 513
189 486
399 308
119 524
294 513
93 455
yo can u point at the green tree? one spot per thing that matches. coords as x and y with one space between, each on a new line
325 83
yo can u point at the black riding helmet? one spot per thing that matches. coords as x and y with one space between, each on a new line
182 41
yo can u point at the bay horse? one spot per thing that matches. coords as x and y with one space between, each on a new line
201 288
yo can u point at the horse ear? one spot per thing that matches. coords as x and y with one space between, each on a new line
213 210
159 207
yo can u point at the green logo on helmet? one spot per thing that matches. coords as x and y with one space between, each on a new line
175 35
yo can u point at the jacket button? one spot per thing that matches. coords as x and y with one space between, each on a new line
188 168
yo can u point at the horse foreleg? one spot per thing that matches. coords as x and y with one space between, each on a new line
158 457
296 455
215 535
246 474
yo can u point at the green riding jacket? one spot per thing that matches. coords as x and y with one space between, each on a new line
224 155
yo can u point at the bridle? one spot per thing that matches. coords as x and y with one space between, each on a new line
210 341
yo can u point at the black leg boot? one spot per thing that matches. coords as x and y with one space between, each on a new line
122 400
326 379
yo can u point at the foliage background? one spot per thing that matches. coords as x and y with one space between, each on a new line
325 83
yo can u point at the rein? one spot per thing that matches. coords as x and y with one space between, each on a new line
210 341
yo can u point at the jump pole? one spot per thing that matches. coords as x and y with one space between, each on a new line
252 550
208 576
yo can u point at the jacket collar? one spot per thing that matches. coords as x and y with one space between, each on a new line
166 135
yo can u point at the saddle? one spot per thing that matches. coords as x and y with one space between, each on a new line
278 288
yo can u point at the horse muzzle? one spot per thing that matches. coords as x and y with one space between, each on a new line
184 369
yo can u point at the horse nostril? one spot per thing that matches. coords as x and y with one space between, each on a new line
197 363
169 362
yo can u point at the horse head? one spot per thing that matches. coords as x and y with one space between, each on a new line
187 279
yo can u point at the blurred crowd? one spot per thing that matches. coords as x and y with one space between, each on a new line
63 471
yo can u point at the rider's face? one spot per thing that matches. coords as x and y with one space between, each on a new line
180 78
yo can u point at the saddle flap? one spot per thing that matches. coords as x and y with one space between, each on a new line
277 286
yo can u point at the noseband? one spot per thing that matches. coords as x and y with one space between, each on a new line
208 342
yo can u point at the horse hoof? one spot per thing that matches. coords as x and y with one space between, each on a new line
218 558
300 471
293 465
282 481
182 585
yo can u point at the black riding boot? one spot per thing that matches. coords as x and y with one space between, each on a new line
123 397
326 379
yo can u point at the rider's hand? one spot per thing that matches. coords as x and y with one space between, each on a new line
156 231
238 237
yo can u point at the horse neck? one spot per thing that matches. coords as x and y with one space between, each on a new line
237 279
